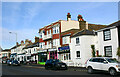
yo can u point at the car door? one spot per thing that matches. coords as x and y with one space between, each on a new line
96 64
104 65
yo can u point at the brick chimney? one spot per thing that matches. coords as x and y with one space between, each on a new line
26 41
22 42
68 17
17 43
36 39
82 23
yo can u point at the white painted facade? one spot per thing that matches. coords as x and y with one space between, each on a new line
84 46
113 42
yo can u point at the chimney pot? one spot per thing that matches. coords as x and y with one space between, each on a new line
68 17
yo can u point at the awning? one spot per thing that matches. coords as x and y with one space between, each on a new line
14 54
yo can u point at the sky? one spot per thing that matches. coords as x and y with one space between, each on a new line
26 18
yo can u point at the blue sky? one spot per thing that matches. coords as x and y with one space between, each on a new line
25 18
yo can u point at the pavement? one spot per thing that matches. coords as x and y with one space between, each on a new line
69 68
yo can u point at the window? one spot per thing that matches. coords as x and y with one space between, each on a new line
78 53
56 42
107 35
47 32
108 51
77 41
40 34
56 30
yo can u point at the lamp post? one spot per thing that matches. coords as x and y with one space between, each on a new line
16 39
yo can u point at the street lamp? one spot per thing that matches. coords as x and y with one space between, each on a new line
16 39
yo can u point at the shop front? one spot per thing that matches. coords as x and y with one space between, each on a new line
34 58
64 53
42 57
53 53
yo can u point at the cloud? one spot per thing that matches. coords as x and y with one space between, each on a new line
8 40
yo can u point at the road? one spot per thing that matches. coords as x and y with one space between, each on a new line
37 70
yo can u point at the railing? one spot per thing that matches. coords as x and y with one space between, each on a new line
49 36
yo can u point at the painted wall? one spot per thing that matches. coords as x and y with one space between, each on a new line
84 47
67 25
113 42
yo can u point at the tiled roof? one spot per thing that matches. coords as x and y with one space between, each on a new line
71 32
31 45
92 27
117 23
83 32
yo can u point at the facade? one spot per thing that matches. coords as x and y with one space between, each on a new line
55 38
109 40
5 54
31 51
80 47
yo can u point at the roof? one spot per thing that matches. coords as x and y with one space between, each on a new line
113 25
117 23
69 32
83 32
95 26
31 45
6 50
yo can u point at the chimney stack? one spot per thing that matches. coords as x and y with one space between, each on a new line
17 43
36 39
26 41
82 23
22 42
68 17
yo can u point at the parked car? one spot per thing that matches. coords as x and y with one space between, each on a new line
4 61
104 64
55 64
15 62
9 62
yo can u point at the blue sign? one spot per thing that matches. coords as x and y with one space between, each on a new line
64 48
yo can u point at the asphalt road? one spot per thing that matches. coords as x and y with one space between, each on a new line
37 70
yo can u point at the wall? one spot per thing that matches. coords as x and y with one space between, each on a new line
113 42
67 25
84 47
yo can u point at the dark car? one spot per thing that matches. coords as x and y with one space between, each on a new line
15 62
9 62
55 64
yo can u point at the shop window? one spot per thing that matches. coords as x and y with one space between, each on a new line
78 53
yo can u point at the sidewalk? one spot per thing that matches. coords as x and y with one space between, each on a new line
70 68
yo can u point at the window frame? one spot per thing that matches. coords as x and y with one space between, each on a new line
77 42
109 51
78 56
107 35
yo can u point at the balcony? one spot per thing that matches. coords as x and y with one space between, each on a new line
47 37
47 46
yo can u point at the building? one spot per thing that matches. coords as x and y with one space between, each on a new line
109 40
55 38
80 47
5 54
31 51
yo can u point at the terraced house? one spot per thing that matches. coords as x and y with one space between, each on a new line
55 38
109 40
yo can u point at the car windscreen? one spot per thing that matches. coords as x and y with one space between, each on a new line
112 60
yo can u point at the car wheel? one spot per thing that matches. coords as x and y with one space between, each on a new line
90 70
112 72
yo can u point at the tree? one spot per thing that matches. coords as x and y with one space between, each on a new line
118 52
93 50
